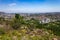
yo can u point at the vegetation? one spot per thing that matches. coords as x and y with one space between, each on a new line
20 29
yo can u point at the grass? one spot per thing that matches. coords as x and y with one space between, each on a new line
20 29
22 35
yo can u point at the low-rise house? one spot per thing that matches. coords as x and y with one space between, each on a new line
45 20
9 17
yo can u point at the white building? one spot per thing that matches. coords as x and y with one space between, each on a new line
45 20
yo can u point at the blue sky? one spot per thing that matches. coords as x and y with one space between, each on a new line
30 6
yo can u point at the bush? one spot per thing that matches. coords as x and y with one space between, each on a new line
53 26
16 26
2 31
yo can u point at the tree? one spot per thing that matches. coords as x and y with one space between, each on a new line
17 16
2 20
32 24
15 23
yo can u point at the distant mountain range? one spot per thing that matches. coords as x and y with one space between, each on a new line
49 13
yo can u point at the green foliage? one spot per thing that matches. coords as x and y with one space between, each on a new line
2 20
32 24
16 26
17 16
54 26
2 31
17 35
17 22
30 32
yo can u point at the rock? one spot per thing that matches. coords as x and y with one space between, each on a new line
24 38
14 38
54 39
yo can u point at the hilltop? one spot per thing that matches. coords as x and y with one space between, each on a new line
24 27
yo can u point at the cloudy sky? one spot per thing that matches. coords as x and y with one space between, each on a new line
30 6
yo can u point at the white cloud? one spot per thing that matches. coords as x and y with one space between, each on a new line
12 4
32 10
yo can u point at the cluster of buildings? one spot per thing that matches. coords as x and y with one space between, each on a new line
41 18
6 16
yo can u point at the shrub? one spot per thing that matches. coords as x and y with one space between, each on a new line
2 31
